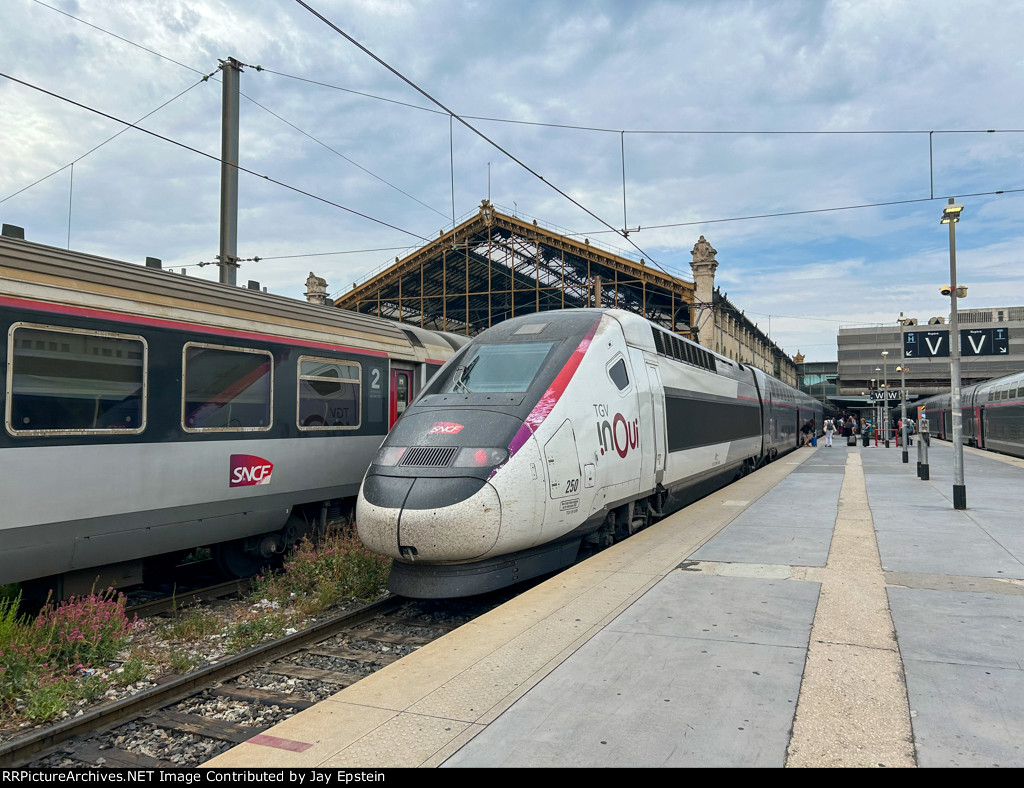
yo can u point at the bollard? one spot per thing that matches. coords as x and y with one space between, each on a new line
922 449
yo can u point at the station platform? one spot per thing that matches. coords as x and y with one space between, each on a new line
830 610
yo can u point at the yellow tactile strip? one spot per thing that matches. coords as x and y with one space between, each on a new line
422 708
853 709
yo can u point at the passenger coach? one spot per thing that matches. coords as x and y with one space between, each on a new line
149 413
992 414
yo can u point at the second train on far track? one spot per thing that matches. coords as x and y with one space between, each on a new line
557 432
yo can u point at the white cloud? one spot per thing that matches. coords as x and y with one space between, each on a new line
697 66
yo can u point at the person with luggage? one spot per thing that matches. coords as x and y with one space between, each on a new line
830 428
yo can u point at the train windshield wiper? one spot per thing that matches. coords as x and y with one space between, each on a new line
462 375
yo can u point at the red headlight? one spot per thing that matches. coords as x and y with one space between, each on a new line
389 455
480 458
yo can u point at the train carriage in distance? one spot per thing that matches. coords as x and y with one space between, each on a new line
148 413
561 431
992 414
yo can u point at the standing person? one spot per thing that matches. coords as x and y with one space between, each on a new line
830 427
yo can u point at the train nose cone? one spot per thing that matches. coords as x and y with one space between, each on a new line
458 532
421 525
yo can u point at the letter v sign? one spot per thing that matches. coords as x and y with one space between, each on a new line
934 348
977 345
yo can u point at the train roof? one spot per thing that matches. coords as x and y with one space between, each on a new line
46 273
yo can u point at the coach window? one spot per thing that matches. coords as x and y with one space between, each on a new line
66 381
226 389
328 394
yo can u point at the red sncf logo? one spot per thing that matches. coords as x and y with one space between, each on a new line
444 428
248 469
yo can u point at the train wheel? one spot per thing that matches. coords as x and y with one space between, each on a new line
234 560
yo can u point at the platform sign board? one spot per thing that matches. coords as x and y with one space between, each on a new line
880 394
973 342
926 344
984 341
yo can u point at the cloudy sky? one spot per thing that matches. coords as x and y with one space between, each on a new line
812 143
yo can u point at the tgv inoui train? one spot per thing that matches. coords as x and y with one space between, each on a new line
559 430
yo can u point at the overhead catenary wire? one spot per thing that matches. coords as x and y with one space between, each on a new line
470 126
218 159
625 231
244 95
109 139
807 211
611 130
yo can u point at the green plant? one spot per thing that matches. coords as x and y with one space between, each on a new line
192 624
255 628
44 663
85 629
10 621
318 575
134 669
180 661
46 702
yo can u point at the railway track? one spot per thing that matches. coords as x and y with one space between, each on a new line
190 719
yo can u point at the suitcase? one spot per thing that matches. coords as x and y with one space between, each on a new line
851 440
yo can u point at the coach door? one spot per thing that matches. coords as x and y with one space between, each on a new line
657 395
401 393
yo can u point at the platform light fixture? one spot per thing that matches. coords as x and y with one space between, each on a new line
902 369
951 215
876 416
885 396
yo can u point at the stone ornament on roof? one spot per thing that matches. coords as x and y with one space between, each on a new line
316 289
703 252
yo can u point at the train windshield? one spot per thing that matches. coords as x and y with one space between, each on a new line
506 367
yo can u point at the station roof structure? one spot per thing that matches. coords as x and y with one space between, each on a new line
494 266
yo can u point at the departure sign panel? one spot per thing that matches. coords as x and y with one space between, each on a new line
984 342
973 342
926 344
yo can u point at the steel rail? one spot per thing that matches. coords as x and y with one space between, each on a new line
17 751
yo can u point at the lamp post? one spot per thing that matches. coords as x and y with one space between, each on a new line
876 416
885 395
902 369
903 391
950 216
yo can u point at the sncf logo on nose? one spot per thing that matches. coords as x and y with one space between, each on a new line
248 469
444 428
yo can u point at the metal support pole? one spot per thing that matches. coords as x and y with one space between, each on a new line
228 257
924 437
903 408
959 489
885 396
